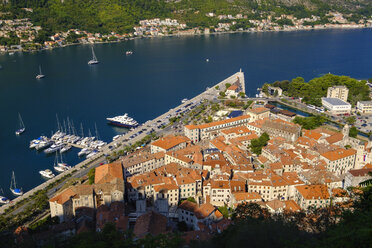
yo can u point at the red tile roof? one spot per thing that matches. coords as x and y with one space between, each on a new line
339 154
170 141
107 172
150 222
313 191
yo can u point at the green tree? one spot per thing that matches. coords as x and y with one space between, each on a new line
310 122
353 132
224 211
91 175
265 88
257 144
350 120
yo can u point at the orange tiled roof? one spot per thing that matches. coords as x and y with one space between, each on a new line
205 210
170 141
313 191
216 123
150 222
220 184
259 110
335 138
245 196
292 206
367 166
107 172
312 134
236 130
339 154
64 196
233 87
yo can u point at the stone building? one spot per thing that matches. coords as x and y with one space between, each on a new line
312 196
280 128
108 188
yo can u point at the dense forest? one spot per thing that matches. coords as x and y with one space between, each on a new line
120 16
315 89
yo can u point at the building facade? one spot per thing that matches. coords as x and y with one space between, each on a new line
340 92
364 107
336 106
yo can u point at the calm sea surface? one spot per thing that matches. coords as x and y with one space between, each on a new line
160 73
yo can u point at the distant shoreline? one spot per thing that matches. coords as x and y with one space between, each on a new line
188 35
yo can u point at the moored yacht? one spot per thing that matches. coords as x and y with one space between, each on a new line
123 121
91 154
53 148
66 148
83 152
47 173
43 144
129 52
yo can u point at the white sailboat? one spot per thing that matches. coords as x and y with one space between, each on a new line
40 75
94 60
3 199
13 186
63 164
60 166
22 127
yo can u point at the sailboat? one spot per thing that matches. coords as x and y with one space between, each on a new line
13 187
22 127
94 59
40 75
3 199
60 166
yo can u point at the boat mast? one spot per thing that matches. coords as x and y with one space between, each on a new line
64 125
97 136
94 55
13 182
40 70
21 121
82 130
68 125
56 159
61 157
58 125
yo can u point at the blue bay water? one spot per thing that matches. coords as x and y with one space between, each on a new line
160 73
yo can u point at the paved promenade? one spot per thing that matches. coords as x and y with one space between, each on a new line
208 94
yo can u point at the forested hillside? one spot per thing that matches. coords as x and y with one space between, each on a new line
121 15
